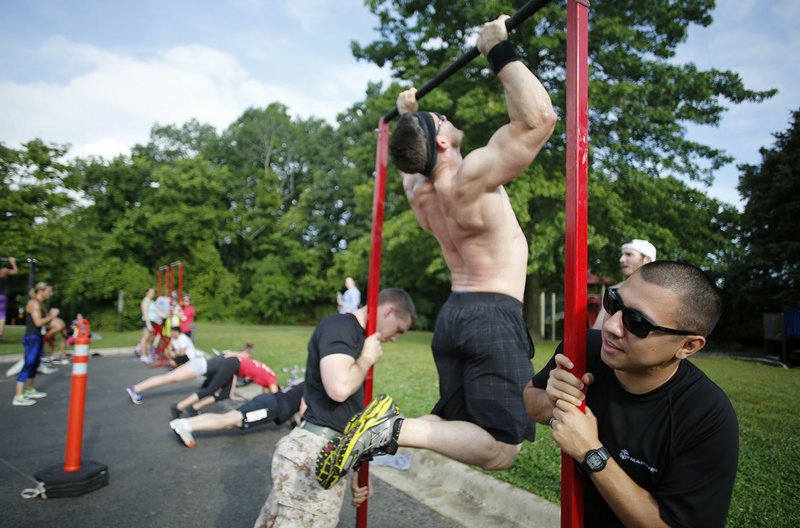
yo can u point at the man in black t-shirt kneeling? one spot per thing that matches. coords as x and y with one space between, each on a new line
658 444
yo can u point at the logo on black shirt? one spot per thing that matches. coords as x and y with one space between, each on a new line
624 455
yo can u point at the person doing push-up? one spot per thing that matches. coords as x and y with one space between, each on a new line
284 406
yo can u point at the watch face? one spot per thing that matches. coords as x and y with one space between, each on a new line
594 461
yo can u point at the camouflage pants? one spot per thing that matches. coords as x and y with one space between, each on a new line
296 499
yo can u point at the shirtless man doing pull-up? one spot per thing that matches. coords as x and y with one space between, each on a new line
481 345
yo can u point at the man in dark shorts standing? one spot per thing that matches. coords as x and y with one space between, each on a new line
481 345
658 444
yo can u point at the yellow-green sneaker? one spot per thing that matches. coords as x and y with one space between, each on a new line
374 431
325 468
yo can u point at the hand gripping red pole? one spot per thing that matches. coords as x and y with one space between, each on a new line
77 398
576 251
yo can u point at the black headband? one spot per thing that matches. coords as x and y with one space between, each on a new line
429 130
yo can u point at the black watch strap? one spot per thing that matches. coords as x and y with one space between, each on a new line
595 460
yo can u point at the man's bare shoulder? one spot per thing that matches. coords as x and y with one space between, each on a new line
481 173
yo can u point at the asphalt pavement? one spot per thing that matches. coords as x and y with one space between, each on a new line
154 481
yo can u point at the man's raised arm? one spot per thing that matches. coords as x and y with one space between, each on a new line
532 118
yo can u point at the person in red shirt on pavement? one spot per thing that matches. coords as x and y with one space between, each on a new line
220 384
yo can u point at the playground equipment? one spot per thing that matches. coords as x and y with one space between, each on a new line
167 273
576 253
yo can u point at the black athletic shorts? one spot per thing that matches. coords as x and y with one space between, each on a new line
261 409
483 353
180 360
219 378
266 408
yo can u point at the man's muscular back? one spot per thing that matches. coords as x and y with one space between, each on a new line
483 245
463 203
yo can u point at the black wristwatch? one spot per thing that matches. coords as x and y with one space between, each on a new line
595 460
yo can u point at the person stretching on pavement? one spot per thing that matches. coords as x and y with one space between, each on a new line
220 373
284 406
196 366
220 382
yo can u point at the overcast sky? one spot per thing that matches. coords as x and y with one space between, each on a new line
98 74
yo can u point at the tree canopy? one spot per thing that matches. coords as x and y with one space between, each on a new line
270 214
764 274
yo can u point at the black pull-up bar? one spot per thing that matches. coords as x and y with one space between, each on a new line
18 259
515 20
31 268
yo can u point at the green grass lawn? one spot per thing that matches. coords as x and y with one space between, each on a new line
767 491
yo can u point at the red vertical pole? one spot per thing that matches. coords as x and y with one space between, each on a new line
171 275
77 399
180 280
576 254
374 287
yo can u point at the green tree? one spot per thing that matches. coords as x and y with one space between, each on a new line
34 190
215 290
37 190
159 205
640 101
113 187
170 143
269 160
93 283
765 276
239 209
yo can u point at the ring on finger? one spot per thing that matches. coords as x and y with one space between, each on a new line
550 423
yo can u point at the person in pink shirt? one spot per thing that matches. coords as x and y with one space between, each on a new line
187 320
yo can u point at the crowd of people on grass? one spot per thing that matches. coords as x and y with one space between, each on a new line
656 440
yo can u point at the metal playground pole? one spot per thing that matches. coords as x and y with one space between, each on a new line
576 250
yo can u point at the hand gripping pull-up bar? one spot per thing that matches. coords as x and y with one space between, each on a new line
524 13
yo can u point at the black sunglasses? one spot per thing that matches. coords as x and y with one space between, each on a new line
442 119
634 321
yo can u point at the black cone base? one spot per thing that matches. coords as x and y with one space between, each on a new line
59 483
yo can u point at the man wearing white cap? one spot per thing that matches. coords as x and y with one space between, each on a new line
635 254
